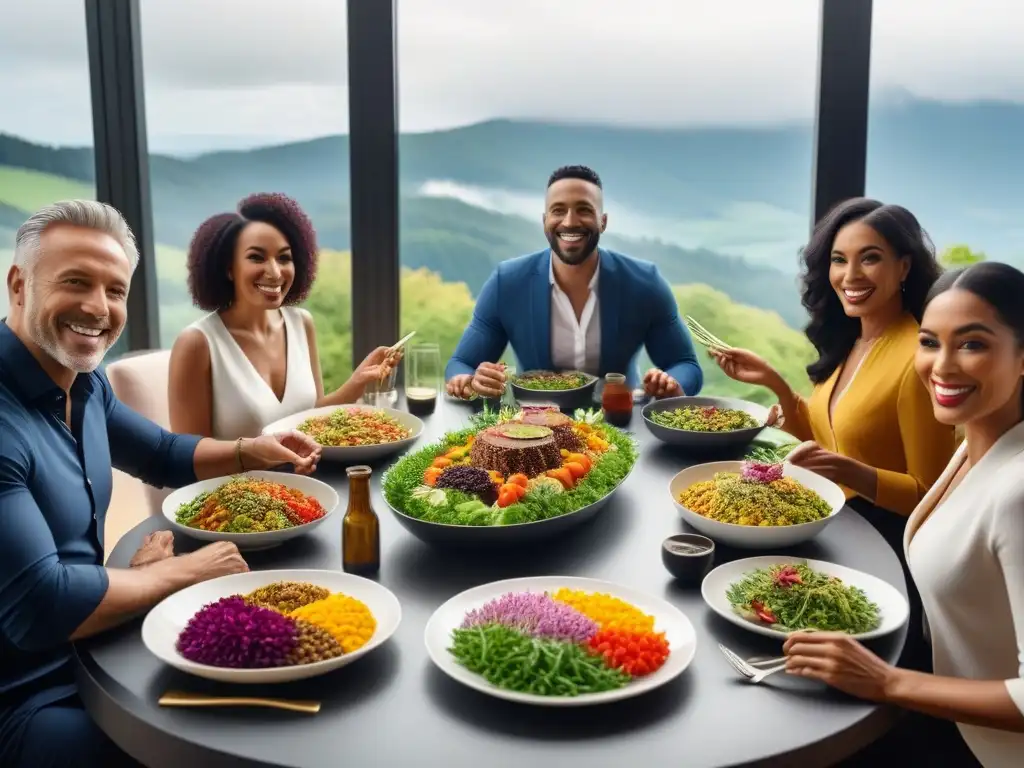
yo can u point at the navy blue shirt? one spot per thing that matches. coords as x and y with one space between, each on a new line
55 485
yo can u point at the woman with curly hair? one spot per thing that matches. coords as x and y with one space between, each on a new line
868 424
253 359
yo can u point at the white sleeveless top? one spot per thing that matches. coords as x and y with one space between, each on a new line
243 402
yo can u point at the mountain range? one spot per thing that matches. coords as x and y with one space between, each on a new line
729 207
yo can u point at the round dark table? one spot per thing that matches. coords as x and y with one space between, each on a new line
394 708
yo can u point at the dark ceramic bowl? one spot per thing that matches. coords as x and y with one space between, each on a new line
734 440
688 556
566 399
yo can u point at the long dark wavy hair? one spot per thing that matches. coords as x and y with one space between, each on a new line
832 332
998 285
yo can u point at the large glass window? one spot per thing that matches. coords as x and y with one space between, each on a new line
947 121
238 103
46 118
697 116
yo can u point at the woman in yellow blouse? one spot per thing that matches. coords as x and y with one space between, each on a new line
869 423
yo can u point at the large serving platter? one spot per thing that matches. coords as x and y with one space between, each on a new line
678 631
750 536
359 453
481 535
736 439
309 486
165 622
893 607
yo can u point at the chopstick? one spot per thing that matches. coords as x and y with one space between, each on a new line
182 699
704 336
391 353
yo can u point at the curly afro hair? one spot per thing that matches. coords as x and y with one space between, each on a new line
213 248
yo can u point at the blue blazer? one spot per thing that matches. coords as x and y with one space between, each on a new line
636 308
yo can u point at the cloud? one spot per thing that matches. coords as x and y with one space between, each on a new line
260 68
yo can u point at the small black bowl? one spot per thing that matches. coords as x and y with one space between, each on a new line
688 556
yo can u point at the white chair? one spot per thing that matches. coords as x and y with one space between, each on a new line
139 379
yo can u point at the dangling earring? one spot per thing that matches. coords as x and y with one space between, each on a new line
903 287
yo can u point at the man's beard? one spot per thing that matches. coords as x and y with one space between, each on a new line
46 338
590 242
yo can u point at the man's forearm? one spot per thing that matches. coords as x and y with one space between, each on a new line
132 591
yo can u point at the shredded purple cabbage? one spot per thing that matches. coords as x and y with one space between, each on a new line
232 633
759 472
466 479
534 614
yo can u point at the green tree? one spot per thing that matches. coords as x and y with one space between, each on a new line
960 256
755 329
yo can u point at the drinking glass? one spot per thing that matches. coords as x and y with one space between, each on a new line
422 378
382 394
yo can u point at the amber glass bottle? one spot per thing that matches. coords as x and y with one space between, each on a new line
360 530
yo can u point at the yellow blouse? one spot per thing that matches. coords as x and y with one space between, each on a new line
883 419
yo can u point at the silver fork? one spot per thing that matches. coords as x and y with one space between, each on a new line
752 674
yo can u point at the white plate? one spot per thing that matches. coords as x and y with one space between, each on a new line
752 536
165 622
678 631
320 491
891 604
357 453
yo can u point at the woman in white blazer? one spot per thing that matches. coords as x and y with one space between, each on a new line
965 541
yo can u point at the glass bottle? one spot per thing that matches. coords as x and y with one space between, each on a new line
360 529
616 400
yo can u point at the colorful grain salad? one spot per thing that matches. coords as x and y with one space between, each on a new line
249 505
569 643
279 625
550 381
795 597
705 418
512 467
350 427
759 495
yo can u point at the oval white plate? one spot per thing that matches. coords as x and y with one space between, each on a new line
319 490
891 604
678 631
753 536
167 619
356 453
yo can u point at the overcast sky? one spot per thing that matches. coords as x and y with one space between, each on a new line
227 71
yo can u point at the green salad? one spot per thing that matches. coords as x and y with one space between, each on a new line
795 597
550 381
708 418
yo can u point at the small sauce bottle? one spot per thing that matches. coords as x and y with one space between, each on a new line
360 529
617 400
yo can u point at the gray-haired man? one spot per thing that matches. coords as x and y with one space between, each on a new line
61 431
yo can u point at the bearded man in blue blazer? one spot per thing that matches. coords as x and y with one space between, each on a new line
575 306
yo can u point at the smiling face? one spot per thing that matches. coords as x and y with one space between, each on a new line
262 269
72 300
573 219
971 362
864 270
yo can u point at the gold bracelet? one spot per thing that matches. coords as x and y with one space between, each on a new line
238 454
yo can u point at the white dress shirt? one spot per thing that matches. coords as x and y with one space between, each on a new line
967 558
575 344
